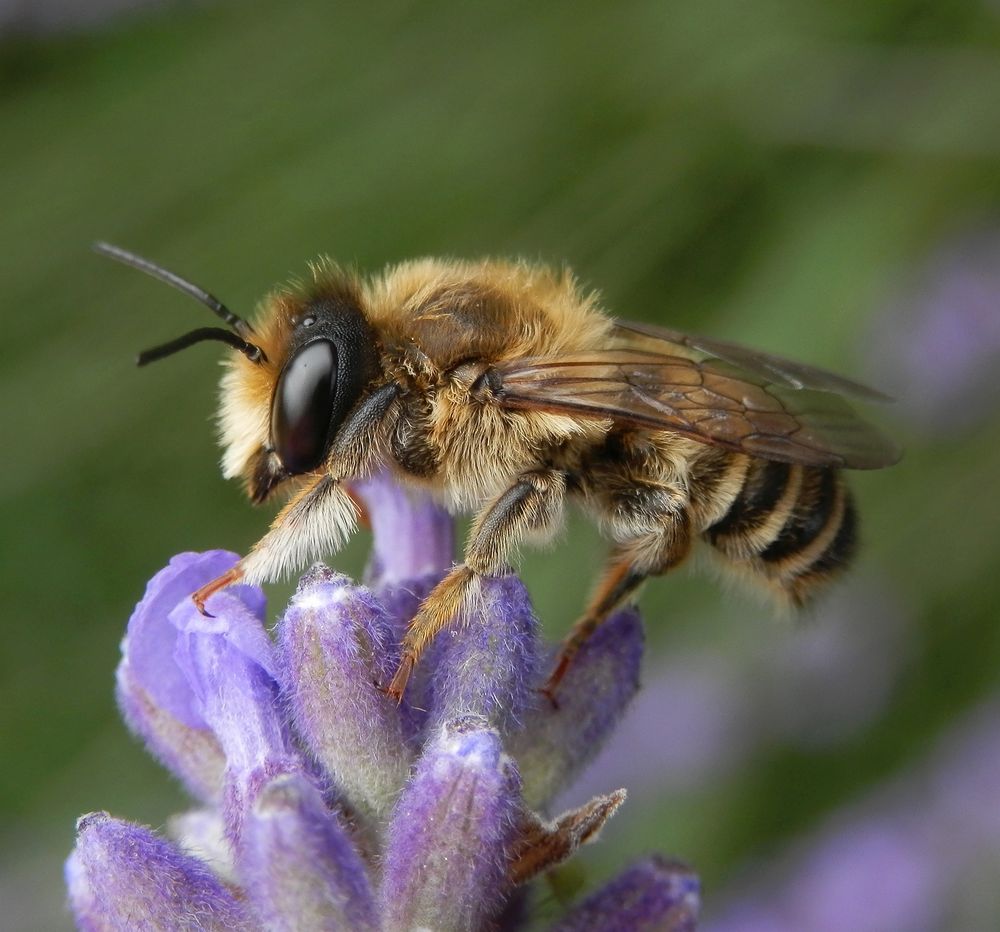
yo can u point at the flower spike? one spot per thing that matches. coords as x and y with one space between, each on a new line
324 805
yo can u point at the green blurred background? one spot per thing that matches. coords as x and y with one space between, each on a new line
779 173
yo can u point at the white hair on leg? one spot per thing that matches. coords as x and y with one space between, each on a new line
317 522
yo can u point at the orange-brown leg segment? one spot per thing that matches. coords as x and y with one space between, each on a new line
445 602
209 589
651 523
619 582
316 521
533 504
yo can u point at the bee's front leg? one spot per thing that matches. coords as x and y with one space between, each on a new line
227 579
531 506
316 521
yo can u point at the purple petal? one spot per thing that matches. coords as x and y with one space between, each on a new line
193 755
122 877
299 867
229 663
336 644
446 865
153 692
654 894
489 666
413 536
557 743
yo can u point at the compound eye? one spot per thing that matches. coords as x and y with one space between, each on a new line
303 405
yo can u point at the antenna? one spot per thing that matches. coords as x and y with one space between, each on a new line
240 340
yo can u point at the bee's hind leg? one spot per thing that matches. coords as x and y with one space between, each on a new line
531 506
650 522
619 582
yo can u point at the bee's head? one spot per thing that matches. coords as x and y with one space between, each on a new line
293 378
279 418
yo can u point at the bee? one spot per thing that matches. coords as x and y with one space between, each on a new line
505 390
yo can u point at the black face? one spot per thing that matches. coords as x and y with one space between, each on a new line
333 359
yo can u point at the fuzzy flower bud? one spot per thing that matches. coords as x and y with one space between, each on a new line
452 828
122 876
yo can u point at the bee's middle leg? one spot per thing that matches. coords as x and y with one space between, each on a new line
531 506
651 525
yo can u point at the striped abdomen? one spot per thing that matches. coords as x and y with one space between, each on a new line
792 526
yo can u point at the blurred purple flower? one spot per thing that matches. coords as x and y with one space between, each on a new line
651 896
325 805
814 686
919 854
937 346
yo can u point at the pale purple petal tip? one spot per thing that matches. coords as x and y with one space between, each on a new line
154 693
488 666
336 645
557 743
235 688
121 876
414 537
654 894
149 642
299 867
229 662
451 833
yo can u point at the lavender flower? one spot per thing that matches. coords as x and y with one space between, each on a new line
324 805
779 688
937 345
919 852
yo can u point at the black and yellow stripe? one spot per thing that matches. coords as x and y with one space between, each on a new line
792 526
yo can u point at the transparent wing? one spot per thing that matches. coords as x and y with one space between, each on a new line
774 369
713 392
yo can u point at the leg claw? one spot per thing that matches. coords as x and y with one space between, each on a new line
397 687
549 692
209 589
200 605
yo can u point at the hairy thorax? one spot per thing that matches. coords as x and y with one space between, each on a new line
467 449
445 326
